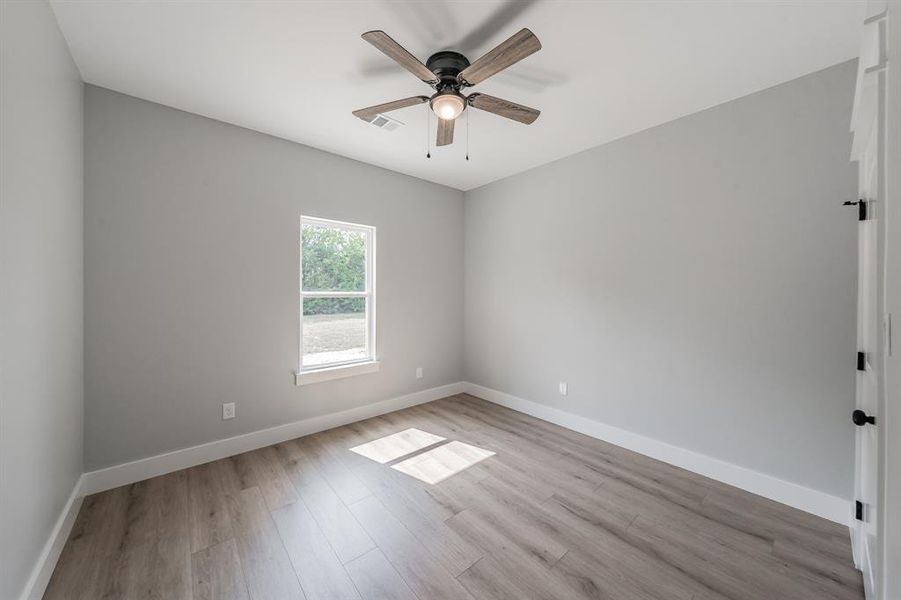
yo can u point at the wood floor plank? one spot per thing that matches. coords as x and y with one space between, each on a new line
321 574
153 557
152 570
230 472
423 572
721 524
524 570
449 426
817 561
83 566
776 522
267 569
209 518
606 460
738 500
599 531
346 536
410 503
264 469
594 510
523 463
325 456
278 492
376 579
217 573
487 580
599 580
546 470
728 569
552 515
532 530
460 492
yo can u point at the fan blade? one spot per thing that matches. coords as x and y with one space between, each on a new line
399 54
504 108
516 48
445 132
369 113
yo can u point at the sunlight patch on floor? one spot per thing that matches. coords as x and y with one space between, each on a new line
390 447
438 464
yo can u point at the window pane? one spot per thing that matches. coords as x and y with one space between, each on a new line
334 260
334 330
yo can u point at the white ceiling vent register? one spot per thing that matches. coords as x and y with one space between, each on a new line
384 122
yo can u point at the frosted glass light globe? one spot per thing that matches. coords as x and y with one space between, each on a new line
448 106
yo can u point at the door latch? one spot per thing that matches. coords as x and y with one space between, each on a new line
861 208
861 418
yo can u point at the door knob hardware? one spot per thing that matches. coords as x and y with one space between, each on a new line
861 418
861 205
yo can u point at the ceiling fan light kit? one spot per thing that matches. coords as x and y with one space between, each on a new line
448 105
449 73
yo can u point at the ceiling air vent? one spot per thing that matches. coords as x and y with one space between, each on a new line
386 123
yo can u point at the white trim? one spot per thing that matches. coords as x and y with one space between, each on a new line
43 568
131 472
308 294
800 497
335 372
332 223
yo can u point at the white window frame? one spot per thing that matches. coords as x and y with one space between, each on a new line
369 364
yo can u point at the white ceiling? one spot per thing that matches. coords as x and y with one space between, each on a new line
607 69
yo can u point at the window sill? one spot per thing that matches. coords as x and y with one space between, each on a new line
339 372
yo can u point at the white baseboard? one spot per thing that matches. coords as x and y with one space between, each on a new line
131 472
794 495
43 568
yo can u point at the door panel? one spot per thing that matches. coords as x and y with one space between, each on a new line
868 149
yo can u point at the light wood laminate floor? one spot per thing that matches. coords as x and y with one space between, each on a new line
550 515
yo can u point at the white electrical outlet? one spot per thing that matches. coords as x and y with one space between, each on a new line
563 388
228 411
418 372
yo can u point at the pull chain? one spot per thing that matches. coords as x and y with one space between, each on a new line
468 116
428 139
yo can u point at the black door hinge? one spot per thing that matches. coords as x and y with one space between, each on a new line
861 208
858 510
861 361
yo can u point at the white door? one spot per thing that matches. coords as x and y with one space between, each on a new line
869 148
868 389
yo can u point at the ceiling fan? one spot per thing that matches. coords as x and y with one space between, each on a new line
449 73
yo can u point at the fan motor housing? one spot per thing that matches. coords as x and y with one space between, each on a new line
446 65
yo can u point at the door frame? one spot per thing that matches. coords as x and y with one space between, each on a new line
890 519
871 133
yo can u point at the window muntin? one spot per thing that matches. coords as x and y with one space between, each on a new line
337 294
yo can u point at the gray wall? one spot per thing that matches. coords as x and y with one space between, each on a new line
41 385
191 278
694 283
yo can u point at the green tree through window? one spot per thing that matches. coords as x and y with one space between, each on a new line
333 260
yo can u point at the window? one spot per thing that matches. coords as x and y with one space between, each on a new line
337 300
